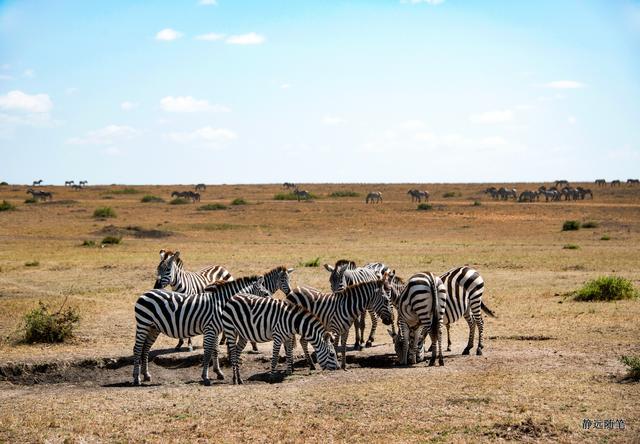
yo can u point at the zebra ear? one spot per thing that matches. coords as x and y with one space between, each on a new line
162 255
290 270
329 268
176 255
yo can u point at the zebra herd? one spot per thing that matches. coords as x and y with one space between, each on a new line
617 183
553 194
211 302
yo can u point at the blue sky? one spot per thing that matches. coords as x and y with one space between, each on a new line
242 91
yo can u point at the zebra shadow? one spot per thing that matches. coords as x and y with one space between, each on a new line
130 384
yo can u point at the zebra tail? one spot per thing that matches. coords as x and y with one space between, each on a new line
487 310
436 310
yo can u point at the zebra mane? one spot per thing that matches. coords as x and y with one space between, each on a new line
341 262
241 282
361 284
176 260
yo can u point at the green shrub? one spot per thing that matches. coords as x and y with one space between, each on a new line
344 193
477 203
238 201
88 243
213 207
179 201
32 264
312 263
7 206
104 212
633 366
605 237
450 194
44 326
570 247
570 225
590 224
151 199
3 183
125 191
111 240
606 288
30 200
424 207
291 196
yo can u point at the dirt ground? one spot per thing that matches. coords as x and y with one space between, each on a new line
549 362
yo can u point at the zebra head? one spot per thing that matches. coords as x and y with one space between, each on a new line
278 278
169 262
259 289
397 343
337 279
325 352
380 303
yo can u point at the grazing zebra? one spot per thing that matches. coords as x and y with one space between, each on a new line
84 183
633 182
421 308
583 192
36 183
504 193
76 187
178 315
42 195
248 318
68 183
615 183
289 185
195 197
302 194
417 195
171 272
562 182
528 196
340 309
601 182
374 197
200 187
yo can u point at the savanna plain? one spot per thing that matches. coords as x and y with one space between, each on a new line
549 362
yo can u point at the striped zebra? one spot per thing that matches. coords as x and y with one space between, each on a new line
374 197
248 318
421 309
68 183
601 182
633 182
36 183
83 183
42 195
301 194
178 315
171 272
200 187
338 310
615 183
417 195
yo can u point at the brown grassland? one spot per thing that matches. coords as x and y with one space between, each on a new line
548 363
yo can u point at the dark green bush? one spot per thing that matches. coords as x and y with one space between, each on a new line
213 207
111 240
605 237
590 224
450 194
104 212
311 263
344 193
179 201
3 183
570 247
606 288
633 366
125 191
238 201
151 199
477 203
570 225
424 207
7 206
44 326
30 200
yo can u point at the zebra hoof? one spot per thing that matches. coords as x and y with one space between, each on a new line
147 378
312 367
190 349
357 347
448 349
136 382
220 377
441 362
479 352
432 362
207 382
368 344
466 351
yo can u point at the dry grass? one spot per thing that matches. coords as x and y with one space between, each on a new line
522 388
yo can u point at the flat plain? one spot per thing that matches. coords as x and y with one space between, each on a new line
549 363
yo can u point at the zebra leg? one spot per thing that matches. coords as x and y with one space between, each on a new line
343 340
413 344
234 358
437 343
480 323
180 342
190 344
472 330
440 356
305 349
277 342
405 343
374 326
151 338
254 347
448 337
356 325
288 349
210 343
141 339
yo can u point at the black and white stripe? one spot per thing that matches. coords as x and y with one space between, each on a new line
340 309
248 318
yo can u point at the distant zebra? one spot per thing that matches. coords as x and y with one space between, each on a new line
249 318
633 182
171 272
417 195
601 182
195 197
178 316
76 187
528 196
338 310
421 309
83 183
289 185
68 183
200 187
548 194
493 191
42 195
302 194
562 182
615 183
374 197
583 192
36 183
504 193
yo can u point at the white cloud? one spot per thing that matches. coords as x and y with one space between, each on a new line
208 2
206 135
333 120
211 37
128 106
565 84
492 117
417 2
246 39
188 104
168 34
29 73
19 101
105 136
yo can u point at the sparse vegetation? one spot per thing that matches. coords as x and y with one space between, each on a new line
30 200
7 206
590 224
179 201
32 264
40 325
104 212
111 240
605 237
606 288
238 201
311 263
570 225
570 247
125 191
344 193
88 243
212 207
285 196
424 207
151 199
477 203
3 184
633 366
449 194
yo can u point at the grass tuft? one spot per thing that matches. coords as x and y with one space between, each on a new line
151 199
311 263
570 225
606 237
291 196
344 193
424 207
30 200
32 264
88 243
477 203
7 206
40 325
449 194
633 366
590 224
179 201
571 247
606 288
213 207
104 212
238 201
125 191
111 240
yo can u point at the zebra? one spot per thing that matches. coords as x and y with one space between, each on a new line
561 182
83 183
528 196
179 315
181 194
493 191
615 183
76 187
248 318
504 193
340 309
200 187
583 192
374 197
68 183
289 185
170 271
601 182
421 309
36 183
195 197
42 195
417 195
633 182
302 194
